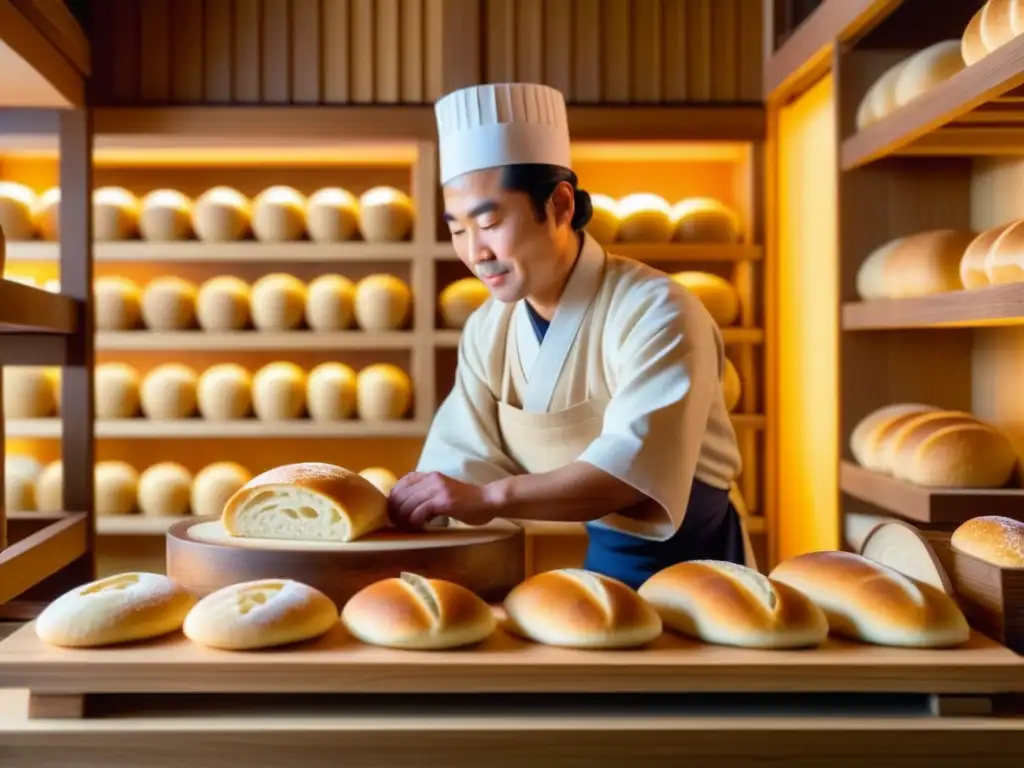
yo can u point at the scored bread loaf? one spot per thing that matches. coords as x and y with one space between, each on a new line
645 218
417 613
383 479
916 265
972 265
604 224
1001 21
880 99
332 215
896 446
705 220
222 304
117 609
926 69
717 295
959 455
307 501
214 484
873 428
279 214
166 216
385 215
461 299
575 608
872 603
1004 262
222 214
260 614
728 604
993 538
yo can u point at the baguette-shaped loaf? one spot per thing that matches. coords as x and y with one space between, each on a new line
728 604
873 603
575 608
992 538
959 455
117 609
413 612
972 265
871 283
898 445
1004 262
880 99
260 614
972 47
307 501
872 429
926 263
926 69
1001 21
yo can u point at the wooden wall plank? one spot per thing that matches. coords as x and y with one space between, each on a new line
615 50
501 41
558 45
725 28
248 52
123 52
698 47
305 44
276 59
587 60
387 75
529 31
186 51
218 45
646 51
751 43
674 38
361 51
334 39
413 63
155 56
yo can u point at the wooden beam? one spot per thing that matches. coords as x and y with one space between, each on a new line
44 553
33 72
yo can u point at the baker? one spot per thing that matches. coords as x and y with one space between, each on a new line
588 386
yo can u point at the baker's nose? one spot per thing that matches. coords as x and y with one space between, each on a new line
477 251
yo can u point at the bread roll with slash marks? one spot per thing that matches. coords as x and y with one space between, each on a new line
308 501
416 613
727 604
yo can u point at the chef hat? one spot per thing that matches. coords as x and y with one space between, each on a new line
489 126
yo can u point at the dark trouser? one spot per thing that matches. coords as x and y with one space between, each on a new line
711 530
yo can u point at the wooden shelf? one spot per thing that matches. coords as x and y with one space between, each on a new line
657 252
201 341
243 251
145 429
24 308
133 525
927 505
954 99
44 57
992 305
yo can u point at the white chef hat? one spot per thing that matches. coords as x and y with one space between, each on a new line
489 126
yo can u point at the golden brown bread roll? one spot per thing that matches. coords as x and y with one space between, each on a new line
880 100
871 277
28 393
972 264
21 473
221 215
728 604
604 223
896 447
279 392
1001 21
169 304
17 211
645 218
383 392
166 216
279 215
222 304
118 304
717 295
921 264
926 69
50 488
117 391
961 455
115 214
705 220
117 609
331 392
117 488
731 388
214 484
872 429
277 302
575 608
46 213
873 603
382 302
385 215
165 489
461 299
307 501
992 538
416 613
332 215
972 47
1004 262
330 303
383 479
260 614
169 391
224 392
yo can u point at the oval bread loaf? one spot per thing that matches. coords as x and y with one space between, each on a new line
260 614
870 430
871 280
645 218
21 473
972 47
118 304
117 609
880 100
416 613
169 304
169 391
330 303
224 392
992 538
1004 262
222 304
165 489
574 608
717 295
50 488
872 603
117 391
117 488
115 214
279 215
926 69
308 501
332 215
705 220
383 479
972 264
331 392
1001 21
382 302
383 392
46 213
214 484
17 211
28 393
277 302
897 446
926 263
731 388
729 604
604 223
279 392
385 215
960 456
166 216
461 299
221 215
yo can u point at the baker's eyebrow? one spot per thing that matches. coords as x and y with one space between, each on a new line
488 206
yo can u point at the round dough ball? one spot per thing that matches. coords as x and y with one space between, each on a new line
382 479
169 392
29 392
461 299
214 484
731 389
382 303
50 488
385 215
20 476
118 304
645 218
115 214
117 488
330 303
705 220
117 391
604 224
716 294
169 304
17 211
224 392
47 214
332 215
166 216
331 392
165 490
222 304
279 215
383 392
279 392
278 302
222 215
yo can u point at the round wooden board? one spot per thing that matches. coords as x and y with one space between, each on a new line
902 547
489 560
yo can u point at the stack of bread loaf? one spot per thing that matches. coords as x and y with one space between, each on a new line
649 218
993 26
908 80
933 447
276 302
221 214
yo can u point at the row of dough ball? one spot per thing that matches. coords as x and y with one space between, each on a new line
644 217
278 391
165 489
943 260
274 302
221 214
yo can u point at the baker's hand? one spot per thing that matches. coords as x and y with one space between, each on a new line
419 497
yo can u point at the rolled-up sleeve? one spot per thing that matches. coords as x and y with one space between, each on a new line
666 373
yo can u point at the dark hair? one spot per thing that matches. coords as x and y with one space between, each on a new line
539 181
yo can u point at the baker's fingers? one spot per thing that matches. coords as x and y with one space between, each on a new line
406 481
424 513
403 506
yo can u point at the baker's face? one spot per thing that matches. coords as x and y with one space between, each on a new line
496 234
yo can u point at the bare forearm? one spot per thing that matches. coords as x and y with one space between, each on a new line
577 492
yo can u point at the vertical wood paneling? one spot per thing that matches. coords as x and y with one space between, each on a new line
155 44
412 51
361 50
218 46
247 54
674 45
698 47
305 17
501 41
187 51
750 40
276 59
587 59
725 28
387 77
558 44
123 52
433 49
529 41
646 47
615 53
334 39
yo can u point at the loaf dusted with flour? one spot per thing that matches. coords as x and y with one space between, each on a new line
992 538
416 613
728 604
260 614
118 609
872 603
308 501
575 608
